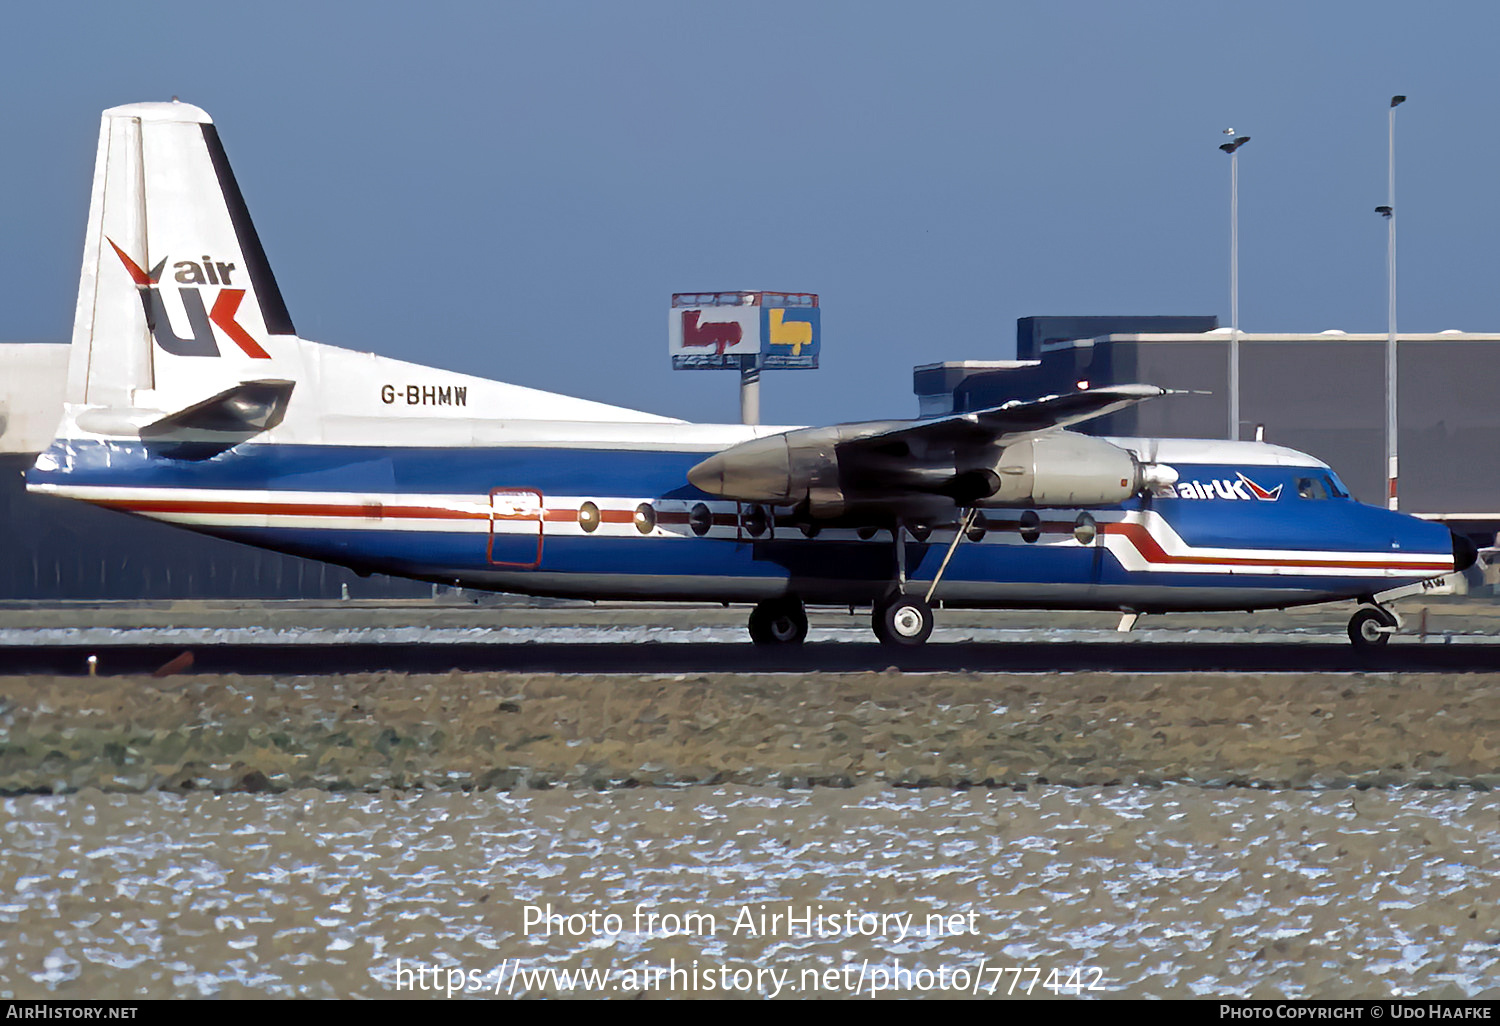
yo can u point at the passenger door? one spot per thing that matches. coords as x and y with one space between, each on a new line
516 517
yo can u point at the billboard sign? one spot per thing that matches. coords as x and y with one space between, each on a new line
736 330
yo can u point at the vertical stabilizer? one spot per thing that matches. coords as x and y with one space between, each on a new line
175 297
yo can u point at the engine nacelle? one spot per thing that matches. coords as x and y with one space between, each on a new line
783 470
806 466
1064 469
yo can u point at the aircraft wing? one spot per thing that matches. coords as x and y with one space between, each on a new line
1014 454
1017 417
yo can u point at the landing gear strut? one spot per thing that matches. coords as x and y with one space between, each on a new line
905 620
779 621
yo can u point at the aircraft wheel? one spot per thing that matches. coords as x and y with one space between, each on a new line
1365 624
904 621
779 622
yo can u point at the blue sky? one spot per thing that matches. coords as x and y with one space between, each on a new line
516 189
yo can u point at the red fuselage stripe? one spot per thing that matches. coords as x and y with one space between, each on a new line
1136 534
1152 552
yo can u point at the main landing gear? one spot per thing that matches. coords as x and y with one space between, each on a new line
899 620
905 621
902 620
779 621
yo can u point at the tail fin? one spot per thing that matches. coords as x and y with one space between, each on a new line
176 298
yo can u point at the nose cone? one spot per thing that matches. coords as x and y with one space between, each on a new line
1464 552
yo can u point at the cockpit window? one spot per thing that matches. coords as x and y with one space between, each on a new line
1312 488
1336 487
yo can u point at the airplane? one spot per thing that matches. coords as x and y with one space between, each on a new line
191 399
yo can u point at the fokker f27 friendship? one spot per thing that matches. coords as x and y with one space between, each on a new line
192 400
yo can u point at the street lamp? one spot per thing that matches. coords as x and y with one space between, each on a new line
1389 213
1232 148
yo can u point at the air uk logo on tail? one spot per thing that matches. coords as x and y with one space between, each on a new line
201 320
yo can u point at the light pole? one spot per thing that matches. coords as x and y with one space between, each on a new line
1389 213
1232 148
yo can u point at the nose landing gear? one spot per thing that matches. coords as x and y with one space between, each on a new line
1374 622
1372 626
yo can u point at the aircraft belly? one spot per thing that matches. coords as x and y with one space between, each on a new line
829 572
957 595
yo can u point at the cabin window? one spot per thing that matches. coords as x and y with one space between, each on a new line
1030 526
1311 488
700 519
588 517
1085 530
645 518
756 521
977 527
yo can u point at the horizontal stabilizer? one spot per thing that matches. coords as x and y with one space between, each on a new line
217 424
246 409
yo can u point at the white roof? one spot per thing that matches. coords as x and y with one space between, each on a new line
979 365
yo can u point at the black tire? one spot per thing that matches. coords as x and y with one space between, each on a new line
903 622
1364 627
780 621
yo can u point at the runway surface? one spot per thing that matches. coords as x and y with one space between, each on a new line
423 637
827 657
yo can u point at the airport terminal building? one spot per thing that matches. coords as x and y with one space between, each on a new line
1322 393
